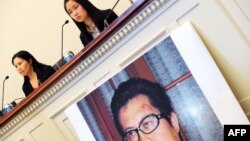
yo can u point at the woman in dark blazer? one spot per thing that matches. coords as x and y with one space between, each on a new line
33 71
88 18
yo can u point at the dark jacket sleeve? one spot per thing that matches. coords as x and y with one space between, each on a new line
42 74
85 37
111 17
27 88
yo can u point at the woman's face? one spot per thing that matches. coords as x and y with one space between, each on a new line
76 11
22 66
132 116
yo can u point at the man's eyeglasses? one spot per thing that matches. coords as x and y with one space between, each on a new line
147 125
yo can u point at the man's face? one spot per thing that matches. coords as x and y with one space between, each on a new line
131 115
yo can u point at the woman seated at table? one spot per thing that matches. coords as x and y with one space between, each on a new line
89 19
33 71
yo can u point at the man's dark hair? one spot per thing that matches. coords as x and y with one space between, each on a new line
138 86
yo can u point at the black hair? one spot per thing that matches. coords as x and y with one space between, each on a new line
27 56
43 71
138 86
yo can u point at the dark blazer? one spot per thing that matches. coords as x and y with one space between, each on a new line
42 74
86 37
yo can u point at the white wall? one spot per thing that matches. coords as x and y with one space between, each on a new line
35 26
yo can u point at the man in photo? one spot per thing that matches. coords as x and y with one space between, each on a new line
142 111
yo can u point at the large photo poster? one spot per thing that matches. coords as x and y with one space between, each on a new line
158 96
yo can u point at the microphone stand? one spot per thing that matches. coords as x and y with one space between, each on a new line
66 22
2 99
3 95
7 77
105 20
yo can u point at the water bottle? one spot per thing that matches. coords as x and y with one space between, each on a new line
67 56
7 107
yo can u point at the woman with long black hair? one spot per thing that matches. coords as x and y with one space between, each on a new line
88 18
34 72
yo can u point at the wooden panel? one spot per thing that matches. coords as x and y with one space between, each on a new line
103 117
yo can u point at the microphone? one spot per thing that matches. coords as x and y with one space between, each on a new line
66 22
106 24
7 77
